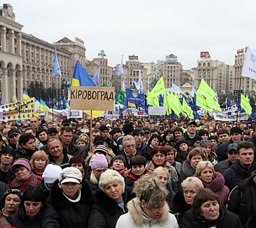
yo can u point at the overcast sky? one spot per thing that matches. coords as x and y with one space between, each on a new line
150 29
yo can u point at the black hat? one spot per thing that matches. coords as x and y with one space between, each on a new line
52 130
192 123
179 142
214 137
138 131
128 128
115 130
8 150
98 140
232 146
119 157
13 131
146 130
103 128
236 130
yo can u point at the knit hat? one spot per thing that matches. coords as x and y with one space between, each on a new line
236 130
100 149
99 161
179 142
52 130
11 191
70 174
214 137
119 157
51 173
21 162
8 150
204 143
77 159
98 140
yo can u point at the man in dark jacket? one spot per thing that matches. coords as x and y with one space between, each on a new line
242 201
222 166
26 146
242 168
191 133
141 146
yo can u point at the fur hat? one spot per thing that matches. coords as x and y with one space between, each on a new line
99 161
98 140
51 173
70 174
8 150
236 130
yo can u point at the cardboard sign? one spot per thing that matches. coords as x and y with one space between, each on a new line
92 98
75 114
18 111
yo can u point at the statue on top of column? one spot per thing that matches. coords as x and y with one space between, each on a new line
7 11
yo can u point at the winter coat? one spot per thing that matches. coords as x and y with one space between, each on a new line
61 213
21 220
72 150
222 166
242 202
218 186
144 151
105 211
31 181
225 219
237 173
3 222
187 170
189 140
23 153
135 218
3 187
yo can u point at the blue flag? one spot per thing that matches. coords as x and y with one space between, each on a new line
96 77
81 77
56 66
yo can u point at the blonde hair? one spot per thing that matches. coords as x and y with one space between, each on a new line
161 169
110 176
193 182
201 165
38 154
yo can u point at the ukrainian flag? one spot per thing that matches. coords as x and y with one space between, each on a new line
81 77
43 107
25 95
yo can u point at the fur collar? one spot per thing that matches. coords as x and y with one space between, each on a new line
138 217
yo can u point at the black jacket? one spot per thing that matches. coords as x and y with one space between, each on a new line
222 166
105 211
64 163
21 220
62 213
237 173
242 201
226 219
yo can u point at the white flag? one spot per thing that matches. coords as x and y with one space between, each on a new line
176 89
119 70
249 67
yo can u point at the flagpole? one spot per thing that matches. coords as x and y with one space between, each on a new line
90 130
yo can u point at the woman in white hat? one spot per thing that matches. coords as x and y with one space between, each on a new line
69 201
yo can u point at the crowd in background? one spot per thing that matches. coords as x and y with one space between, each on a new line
145 172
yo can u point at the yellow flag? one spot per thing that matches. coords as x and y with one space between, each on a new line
159 88
187 109
205 89
201 102
152 100
175 104
214 104
245 104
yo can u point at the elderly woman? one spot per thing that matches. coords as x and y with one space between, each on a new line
149 208
207 212
212 180
38 162
24 177
183 199
69 202
30 213
188 168
109 201
10 202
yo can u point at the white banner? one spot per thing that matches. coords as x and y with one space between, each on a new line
75 114
249 67
157 111
228 118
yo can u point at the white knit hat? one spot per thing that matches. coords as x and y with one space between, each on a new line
51 173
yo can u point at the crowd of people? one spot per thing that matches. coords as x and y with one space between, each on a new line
137 172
